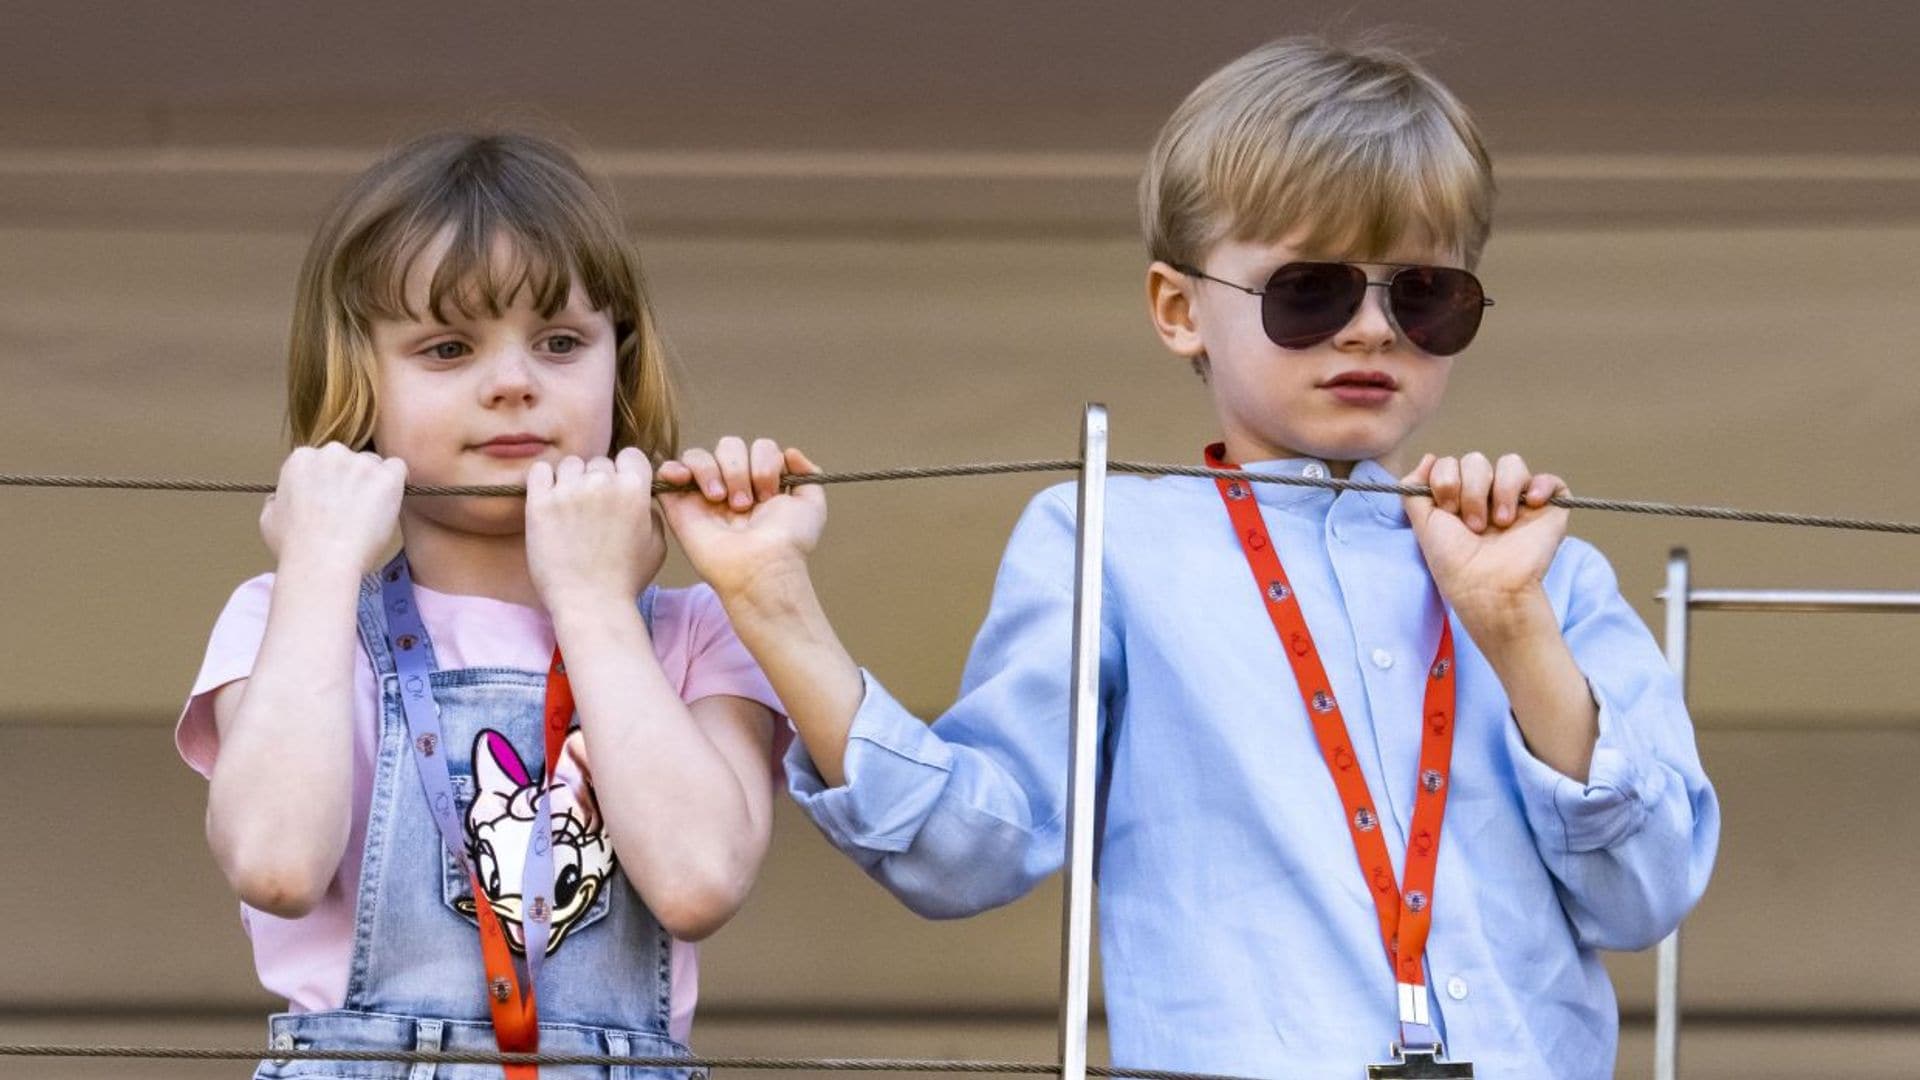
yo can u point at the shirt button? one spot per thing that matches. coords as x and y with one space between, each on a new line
1457 988
1382 659
1314 471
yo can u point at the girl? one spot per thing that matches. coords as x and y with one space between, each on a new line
429 853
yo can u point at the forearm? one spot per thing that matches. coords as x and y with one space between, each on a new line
1551 701
780 620
278 803
688 832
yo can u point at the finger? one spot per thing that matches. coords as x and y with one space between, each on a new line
1419 508
801 466
675 474
337 454
705 473
731 453
633 461
1445 481
270 526
599 472
1510 479
295 460
570 470
1420 474
766 463
1476 487
634 472
1542 487
539 481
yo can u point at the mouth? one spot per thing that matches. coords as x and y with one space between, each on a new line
517 445
1366 380
1362 387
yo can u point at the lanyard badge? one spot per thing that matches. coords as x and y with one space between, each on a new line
511 1002
1405 910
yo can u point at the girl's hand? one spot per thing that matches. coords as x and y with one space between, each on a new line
1488 533
739 526
591 533
333 507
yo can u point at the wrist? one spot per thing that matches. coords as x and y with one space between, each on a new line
1496 618
585 605
318 567
769 590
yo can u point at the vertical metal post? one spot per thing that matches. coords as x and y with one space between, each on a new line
1083 754
1678 599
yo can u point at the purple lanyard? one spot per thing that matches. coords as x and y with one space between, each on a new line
407 637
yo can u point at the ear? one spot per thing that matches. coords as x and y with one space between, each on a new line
1170 304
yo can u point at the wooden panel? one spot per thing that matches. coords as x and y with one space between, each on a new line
106 826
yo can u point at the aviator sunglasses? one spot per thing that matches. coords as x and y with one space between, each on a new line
1437 308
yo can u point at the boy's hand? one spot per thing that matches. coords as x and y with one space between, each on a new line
591 534
333 507
739 525
1488 534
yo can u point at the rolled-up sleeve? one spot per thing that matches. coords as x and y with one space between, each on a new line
1630 849
967 815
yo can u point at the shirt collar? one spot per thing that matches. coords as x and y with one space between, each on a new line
1317 500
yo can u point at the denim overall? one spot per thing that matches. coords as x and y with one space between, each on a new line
417 981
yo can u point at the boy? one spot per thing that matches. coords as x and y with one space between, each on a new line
1268 723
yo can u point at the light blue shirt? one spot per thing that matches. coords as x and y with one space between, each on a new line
1237 934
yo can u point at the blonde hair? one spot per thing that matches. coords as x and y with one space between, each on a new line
1361 148
473 190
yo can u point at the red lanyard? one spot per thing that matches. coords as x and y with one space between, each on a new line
1406 914
516 1011
516 1015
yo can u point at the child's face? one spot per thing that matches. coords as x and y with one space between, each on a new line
1358 395
479 399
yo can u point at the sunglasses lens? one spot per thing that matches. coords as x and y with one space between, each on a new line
1304 303
1437 307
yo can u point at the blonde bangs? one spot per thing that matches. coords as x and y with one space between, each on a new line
1341 154
1417 187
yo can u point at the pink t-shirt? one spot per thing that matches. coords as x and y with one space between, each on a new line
306 960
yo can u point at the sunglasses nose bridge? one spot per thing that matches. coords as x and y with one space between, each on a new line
1382 305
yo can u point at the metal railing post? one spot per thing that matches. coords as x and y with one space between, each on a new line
1666 996
1076 960
1681 599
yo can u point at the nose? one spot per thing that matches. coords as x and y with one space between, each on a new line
1370 329
509 379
